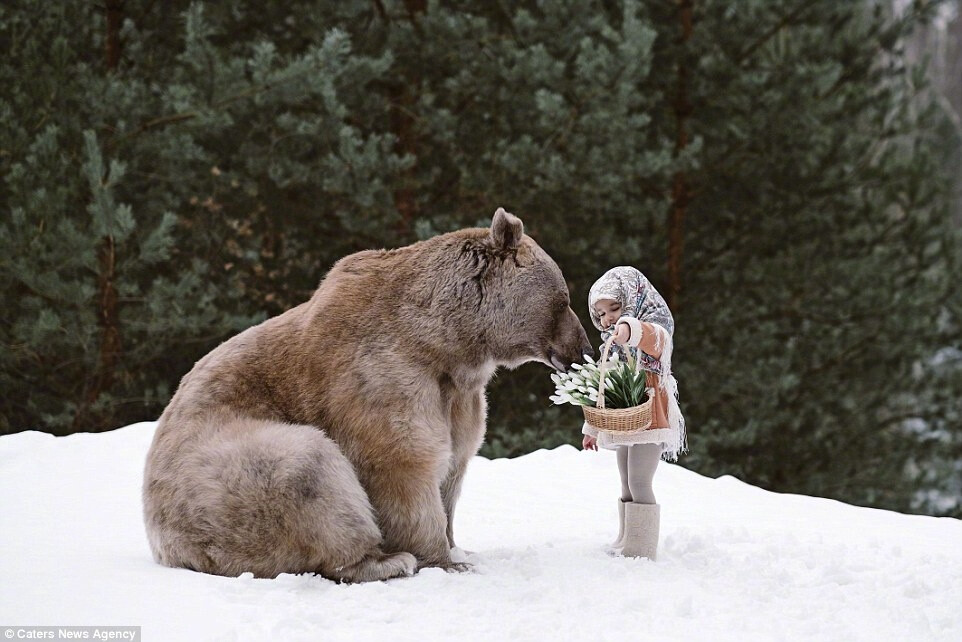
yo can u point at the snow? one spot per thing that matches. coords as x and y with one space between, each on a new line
735 562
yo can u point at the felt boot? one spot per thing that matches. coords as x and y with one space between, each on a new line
642 523
615 547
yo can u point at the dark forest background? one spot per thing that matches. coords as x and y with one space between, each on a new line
784 171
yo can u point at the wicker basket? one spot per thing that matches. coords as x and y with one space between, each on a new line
617 420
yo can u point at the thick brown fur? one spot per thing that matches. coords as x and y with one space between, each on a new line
334 438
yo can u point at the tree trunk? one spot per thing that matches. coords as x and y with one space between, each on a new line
680 193
107 313
403 99
115 18
402 124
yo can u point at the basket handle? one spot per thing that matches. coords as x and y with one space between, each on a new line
600 403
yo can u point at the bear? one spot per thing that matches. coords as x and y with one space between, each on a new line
334 438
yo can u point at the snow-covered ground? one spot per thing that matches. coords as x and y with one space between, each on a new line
736 562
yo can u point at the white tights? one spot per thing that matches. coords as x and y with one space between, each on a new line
637 466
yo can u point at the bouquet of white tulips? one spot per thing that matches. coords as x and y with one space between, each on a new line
624 386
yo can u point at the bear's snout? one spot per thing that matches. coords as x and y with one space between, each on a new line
570 343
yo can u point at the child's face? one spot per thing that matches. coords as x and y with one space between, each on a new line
608 311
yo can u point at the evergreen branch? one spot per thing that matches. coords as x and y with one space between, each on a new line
40 295
862 476
839 358
562 130
768 35
147 9
508 18
224 102
161 121
893 421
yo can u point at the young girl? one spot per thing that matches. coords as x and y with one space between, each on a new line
624 304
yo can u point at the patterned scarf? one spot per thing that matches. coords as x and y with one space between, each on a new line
638 298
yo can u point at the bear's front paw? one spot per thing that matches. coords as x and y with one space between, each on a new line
457 567
446 565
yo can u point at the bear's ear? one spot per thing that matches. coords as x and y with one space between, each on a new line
506 230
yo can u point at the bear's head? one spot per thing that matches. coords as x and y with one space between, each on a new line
524 300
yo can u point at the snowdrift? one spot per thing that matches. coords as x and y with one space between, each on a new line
735 563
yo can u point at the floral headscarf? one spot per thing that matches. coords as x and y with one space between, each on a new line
638 298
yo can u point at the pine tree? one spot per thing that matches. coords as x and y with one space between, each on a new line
155 217
817 255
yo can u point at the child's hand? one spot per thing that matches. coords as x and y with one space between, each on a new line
589 443
622 333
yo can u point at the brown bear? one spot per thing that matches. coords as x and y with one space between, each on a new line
334 438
